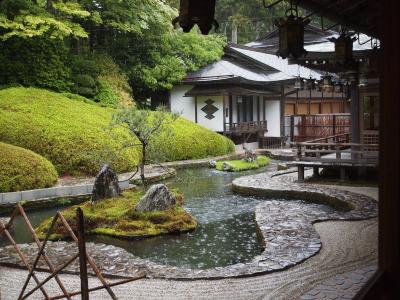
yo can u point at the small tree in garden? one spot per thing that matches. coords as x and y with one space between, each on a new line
144 125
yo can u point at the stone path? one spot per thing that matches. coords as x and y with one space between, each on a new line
342 286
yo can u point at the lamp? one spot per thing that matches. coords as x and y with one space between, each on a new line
343 48
299 84
326 83
193 12
291 34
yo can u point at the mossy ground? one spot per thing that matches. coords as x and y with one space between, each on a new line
242 165
117 217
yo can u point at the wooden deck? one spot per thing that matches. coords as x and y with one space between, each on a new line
335 155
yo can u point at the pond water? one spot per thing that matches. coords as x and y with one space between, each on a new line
226 232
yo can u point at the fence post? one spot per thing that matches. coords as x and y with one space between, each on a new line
292 128
334 125
82 254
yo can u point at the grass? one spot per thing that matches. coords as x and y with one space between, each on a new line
72 132
242 165
116 217
22 169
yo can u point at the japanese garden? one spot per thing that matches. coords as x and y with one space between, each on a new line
182 149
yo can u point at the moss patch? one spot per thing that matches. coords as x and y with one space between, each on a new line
117 217
242 165
22 169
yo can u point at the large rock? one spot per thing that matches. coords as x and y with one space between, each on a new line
158 197
106 184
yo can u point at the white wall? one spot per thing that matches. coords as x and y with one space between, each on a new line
217 123
273 116
180 104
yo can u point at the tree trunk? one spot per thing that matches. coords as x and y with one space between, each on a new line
142 163
234 33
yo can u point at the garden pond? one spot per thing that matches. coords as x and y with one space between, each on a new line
227 231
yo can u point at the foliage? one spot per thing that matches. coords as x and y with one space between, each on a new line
117 217
70 133
114 88
27 19
188 140
35 62
143 125
22 169
242 165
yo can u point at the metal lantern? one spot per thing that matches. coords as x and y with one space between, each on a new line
291 34
338 87
310 84
193 12
326 83
343 48
363 80
299 84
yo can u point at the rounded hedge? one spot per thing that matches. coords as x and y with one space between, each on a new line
22 169
73 133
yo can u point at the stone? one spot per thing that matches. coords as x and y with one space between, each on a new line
158 197
106 184
227 166
212 163
282 166
249 155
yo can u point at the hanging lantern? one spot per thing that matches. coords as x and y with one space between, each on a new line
299 84
343 48
363 80
326 84
291 34
310 84
193 12
338 87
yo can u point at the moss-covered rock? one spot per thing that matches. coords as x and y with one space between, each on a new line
243 165
22 169
117 217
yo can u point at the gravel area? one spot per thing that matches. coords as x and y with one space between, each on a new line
347 246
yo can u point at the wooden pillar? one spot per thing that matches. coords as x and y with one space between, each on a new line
315 171
300 172
264 109
224 113
282 111
230 111
258 108
342 173
355 114
82 255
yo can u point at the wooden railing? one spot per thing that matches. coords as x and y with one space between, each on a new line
253 126
349 153
339 138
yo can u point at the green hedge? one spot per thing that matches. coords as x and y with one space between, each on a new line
22 169
71 132
188 140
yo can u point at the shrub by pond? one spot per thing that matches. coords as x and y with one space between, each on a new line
73 133
22 169
242 164
117 217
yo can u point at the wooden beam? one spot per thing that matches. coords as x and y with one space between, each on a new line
195 109
230 111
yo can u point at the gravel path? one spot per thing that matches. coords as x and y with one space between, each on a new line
347 246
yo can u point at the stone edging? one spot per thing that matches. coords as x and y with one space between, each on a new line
79 190
286 227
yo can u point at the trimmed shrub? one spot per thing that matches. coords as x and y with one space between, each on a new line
72 134
22 169
187 140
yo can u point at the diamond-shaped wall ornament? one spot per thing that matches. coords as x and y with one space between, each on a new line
210 109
